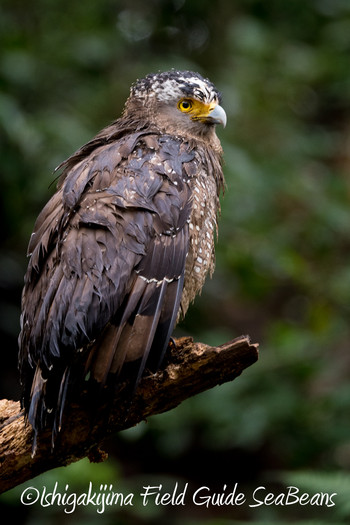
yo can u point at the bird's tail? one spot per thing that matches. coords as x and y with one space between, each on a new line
47 401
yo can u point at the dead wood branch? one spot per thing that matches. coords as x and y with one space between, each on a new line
191 368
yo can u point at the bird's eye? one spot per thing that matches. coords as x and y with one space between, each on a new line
185 105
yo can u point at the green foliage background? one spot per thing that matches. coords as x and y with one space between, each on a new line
283 273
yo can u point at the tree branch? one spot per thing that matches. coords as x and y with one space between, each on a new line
190 369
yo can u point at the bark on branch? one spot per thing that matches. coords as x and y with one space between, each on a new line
191 368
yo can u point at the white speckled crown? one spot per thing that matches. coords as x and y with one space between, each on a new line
174 84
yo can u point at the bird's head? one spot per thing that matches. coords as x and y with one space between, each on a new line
178 101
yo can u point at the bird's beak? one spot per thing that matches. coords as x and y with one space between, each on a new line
209 113
217 116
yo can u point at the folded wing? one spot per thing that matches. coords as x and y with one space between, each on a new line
106 269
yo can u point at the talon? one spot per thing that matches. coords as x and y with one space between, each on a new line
172 343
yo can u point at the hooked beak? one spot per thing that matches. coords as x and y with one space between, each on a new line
217 116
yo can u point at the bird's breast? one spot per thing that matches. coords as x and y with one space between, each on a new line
202 229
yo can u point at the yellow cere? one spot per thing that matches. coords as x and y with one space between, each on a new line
197 108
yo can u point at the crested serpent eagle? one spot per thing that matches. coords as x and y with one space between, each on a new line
123 246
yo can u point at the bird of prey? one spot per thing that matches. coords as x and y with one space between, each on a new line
124 245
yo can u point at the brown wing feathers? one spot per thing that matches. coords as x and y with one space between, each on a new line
150 308
107 257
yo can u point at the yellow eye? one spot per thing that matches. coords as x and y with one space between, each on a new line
185 105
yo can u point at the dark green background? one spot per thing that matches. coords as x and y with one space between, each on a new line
283 272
